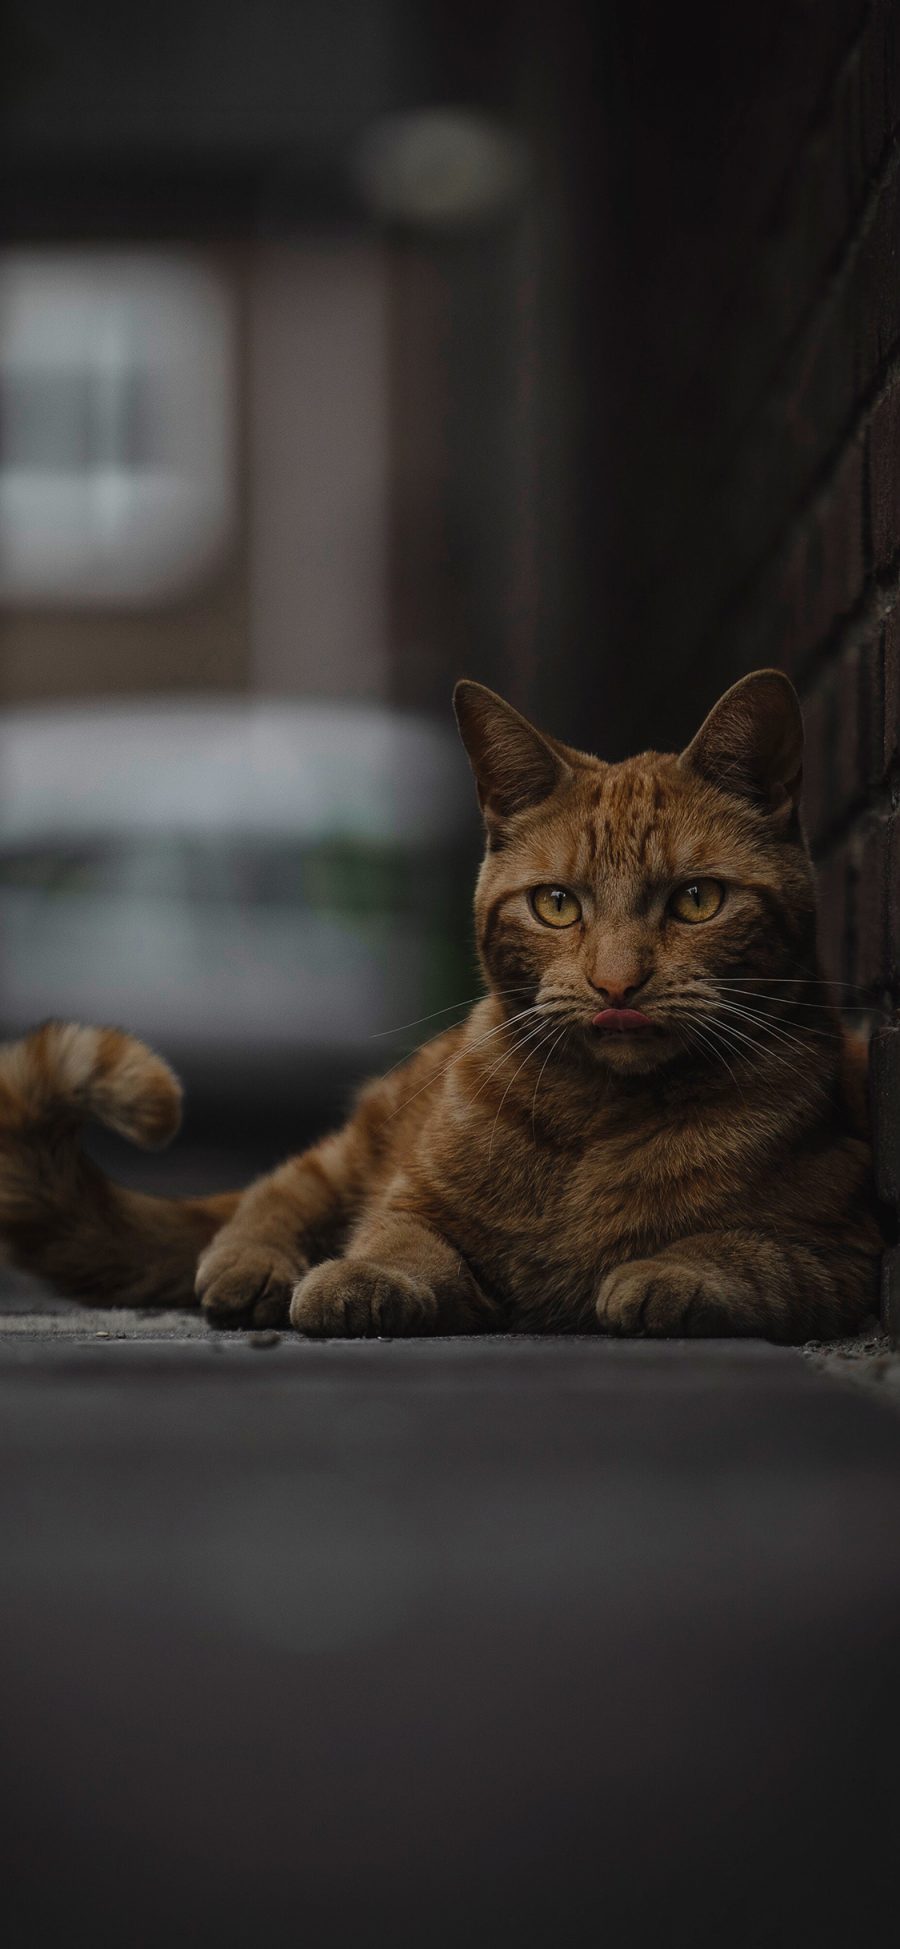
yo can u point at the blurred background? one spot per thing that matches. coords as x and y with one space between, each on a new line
287 446
350 346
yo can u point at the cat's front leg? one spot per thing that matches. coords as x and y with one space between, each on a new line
400 1277
245 1281
252 1266
742 1282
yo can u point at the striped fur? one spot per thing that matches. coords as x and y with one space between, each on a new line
59 1215
522 1170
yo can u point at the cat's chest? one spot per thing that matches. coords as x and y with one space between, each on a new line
600 1189
543 1219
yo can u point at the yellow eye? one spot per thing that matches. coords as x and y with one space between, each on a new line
555 906
698 900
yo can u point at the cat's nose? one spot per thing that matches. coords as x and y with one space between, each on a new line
616 992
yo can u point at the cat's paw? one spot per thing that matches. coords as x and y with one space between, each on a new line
662 1296
355 1298
238 1284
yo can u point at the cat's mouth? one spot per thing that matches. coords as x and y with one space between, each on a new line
623 1021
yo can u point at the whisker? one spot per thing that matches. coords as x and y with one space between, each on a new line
789 981
739 1043
516 1072
739 1036
507 1023
553 1045
738 1003
717 1042
696 1040
790 1001
760 1020
521 990
496 1030
728 1030
834 1009
711 1043
529 1036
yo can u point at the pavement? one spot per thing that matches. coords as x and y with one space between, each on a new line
508 1641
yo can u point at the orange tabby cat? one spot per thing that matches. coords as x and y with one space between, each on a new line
653 1123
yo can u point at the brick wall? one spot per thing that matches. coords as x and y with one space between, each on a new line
818 508
765 233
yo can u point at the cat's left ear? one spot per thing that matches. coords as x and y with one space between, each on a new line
515 766
751 743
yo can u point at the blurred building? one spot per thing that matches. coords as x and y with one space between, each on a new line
308 264
284 423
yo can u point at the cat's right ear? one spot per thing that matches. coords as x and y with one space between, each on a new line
515 766
751 743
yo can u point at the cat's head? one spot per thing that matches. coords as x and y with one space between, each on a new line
666 891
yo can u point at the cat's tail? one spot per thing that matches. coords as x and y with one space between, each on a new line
60 1215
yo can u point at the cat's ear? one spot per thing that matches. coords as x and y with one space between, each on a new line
515 766
751 743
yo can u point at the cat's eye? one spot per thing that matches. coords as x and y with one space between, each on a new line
555 906
697 900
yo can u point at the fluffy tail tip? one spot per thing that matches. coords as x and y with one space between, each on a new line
63 1068
135 1092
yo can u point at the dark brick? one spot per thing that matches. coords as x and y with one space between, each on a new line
834 884
870 306
878 88
824 393
823 576
841 159
848 779
891 652
884 1083
818 765
872 858
859 739
884 476
845 347
893 906
784 600
890 1293
871 116
844 718
877 918
823 169
840 530
871 710
794 443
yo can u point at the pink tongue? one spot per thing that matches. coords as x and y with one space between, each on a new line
622 1020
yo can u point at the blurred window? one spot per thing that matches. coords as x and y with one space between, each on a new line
241 876
340 877
116 425
154 871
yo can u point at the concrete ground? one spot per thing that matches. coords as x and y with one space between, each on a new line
509 1641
